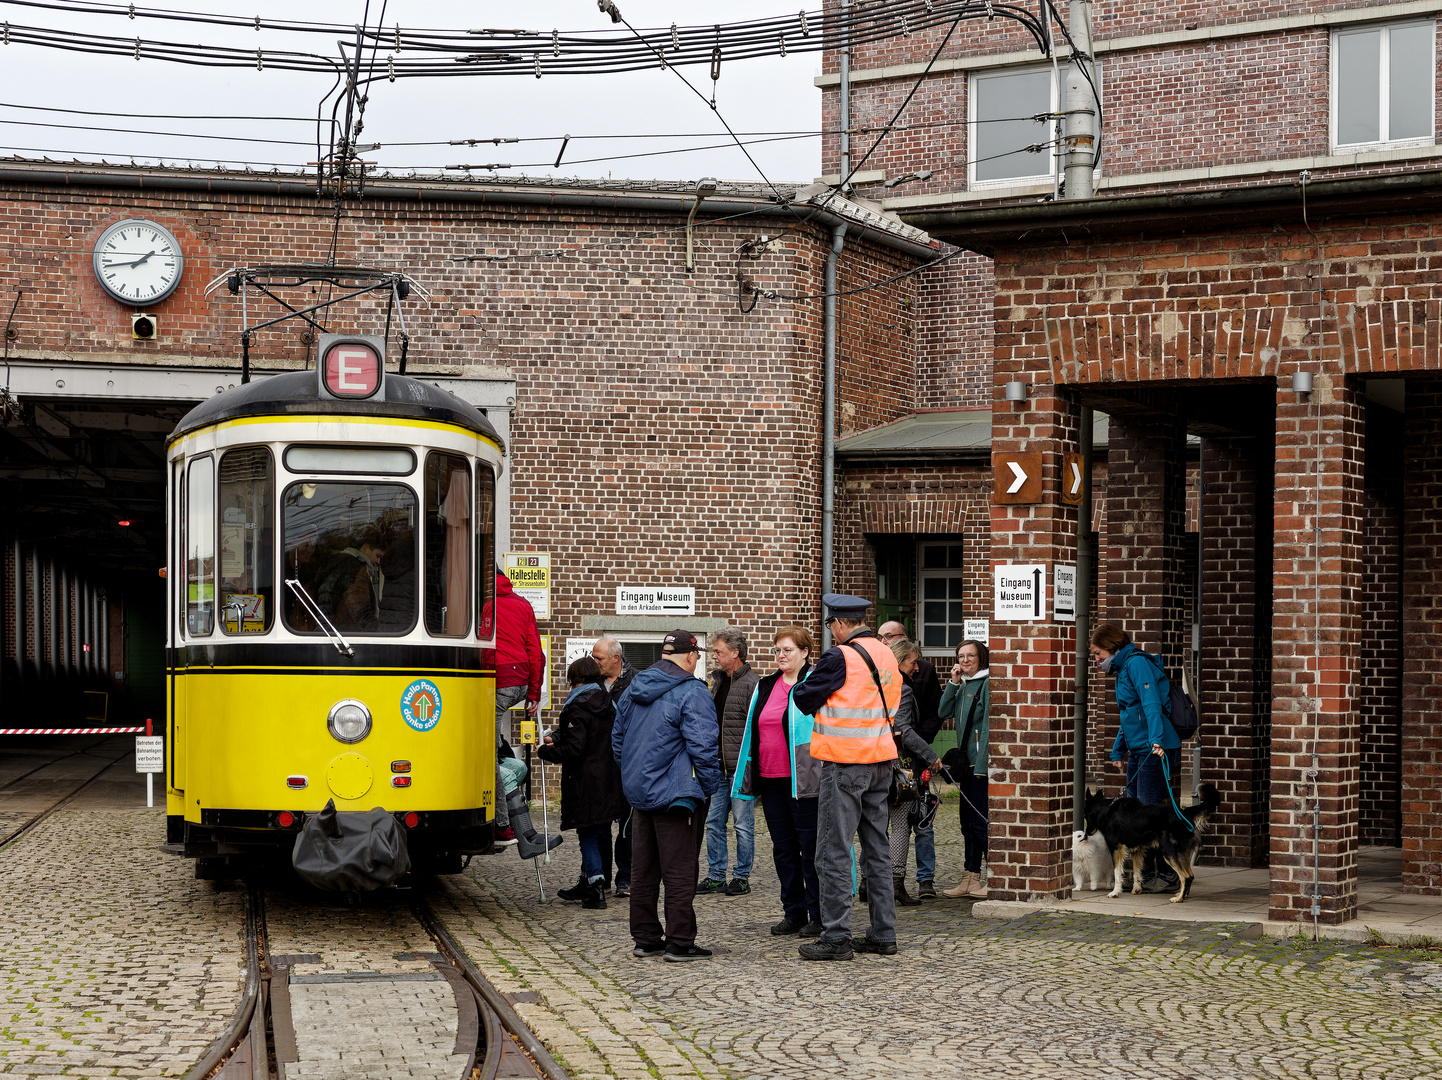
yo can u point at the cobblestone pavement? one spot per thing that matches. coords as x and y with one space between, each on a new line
1055 994
115 961
360 1012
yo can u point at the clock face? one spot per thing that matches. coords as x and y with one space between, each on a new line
138 262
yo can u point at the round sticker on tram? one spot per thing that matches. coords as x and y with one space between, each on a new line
351 367
421 705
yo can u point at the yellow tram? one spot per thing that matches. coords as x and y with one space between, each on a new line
330 584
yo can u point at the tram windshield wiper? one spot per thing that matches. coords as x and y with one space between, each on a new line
340 643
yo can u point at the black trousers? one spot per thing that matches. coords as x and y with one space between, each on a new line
623 853
665 847
792 824
973 818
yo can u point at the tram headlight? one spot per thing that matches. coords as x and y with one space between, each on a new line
349 721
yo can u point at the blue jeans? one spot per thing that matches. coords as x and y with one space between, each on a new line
589 838
1146 783
743 818
925 854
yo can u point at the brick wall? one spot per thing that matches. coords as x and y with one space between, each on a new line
1380 666
954 334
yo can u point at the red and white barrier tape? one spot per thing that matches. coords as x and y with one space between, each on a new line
73 731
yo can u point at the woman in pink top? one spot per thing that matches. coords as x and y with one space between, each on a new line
775 764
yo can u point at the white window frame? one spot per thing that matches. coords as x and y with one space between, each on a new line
1385 97
1057 78
921 577
641 637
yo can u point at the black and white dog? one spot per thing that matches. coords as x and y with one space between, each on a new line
1131 829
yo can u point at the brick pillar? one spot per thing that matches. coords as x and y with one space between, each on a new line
1032 667
1146 525
1316 636
1422 641
1234 690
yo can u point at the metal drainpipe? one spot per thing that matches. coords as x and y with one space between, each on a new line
828 419
1083 626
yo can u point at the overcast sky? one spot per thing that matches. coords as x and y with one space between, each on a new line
765 95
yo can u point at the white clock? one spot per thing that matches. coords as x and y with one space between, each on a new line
138 262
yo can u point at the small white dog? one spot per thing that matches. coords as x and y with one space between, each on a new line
1091 861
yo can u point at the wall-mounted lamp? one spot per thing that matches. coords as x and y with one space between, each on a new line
705 186
1302 382
1016 390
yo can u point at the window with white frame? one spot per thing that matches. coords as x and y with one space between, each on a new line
1002 130
941 609
1383 85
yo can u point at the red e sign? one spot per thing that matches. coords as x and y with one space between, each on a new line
351 369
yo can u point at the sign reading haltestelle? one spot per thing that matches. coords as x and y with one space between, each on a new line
1020 592
530 574
647 600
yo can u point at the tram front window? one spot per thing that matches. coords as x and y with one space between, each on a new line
352 547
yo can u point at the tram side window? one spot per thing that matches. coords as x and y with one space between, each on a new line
448 545
352 548
247 540
200 547
486 565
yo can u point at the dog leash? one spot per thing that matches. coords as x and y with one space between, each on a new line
1166 775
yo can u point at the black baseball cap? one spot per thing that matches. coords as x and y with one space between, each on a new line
679 641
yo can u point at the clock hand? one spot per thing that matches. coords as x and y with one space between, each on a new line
137 262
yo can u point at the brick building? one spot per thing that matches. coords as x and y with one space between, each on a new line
1266 206
663 428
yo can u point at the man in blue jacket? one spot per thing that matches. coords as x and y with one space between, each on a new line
667 744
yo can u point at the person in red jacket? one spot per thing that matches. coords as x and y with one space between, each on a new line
520 668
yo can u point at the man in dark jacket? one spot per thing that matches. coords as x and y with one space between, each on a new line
666 743
617 672
927 691
732 682
520 670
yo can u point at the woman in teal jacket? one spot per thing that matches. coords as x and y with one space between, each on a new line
1146 735
966 701
775 763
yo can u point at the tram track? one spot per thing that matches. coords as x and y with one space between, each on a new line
266 1035
36 818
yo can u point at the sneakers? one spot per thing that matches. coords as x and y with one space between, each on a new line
505 837
679 954
622 890
811 929
738 887
926 890
710 887
1160 884
786 926
825 950
880 948
645 952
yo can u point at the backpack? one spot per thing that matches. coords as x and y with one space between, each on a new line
1183 709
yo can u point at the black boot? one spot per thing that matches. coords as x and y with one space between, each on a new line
595 899
529 843
903 898
577 892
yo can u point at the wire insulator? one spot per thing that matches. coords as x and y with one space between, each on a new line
805 30
391 68
538 65
675 38
555 43
783 44
905 27
398 37
716 63
257 24
132 11
137 45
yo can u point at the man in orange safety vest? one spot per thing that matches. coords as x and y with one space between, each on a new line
854 692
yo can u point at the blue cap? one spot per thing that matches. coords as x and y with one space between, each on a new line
842 606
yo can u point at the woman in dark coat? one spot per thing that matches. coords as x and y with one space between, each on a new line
591 795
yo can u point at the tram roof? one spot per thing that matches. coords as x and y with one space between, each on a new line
296 393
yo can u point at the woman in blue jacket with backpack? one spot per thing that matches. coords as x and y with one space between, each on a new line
1144 698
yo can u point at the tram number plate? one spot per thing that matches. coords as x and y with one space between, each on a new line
149 753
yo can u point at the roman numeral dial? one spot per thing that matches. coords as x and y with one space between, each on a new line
138 262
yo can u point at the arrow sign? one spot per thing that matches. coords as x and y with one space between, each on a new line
1016 477
1036 593
1020 478
1072 479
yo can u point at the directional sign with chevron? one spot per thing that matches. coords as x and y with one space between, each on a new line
1071 479
1016 477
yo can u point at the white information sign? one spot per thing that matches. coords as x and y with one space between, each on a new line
530 574
976 630
1063 593
646 600
149 753
1020 592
